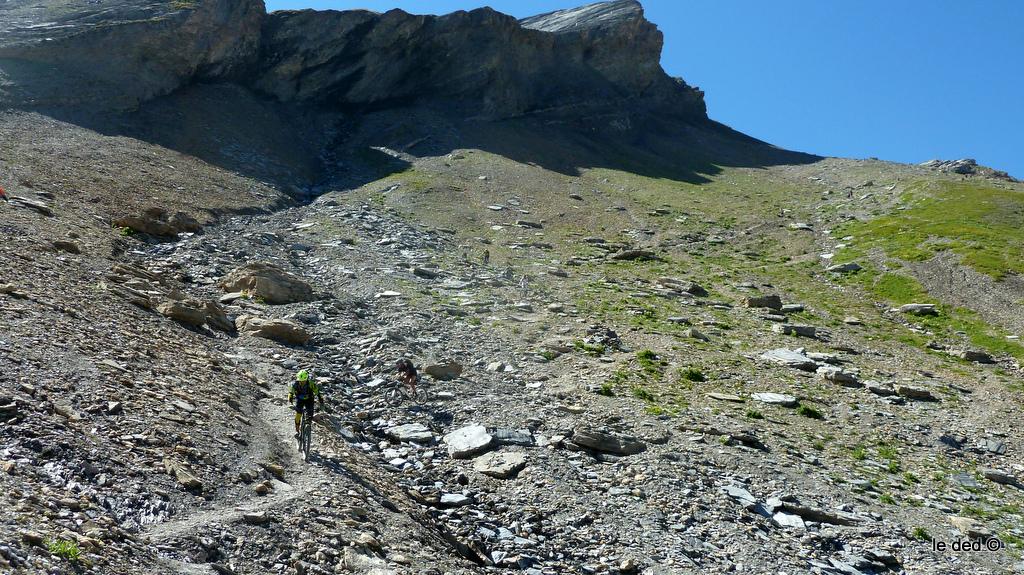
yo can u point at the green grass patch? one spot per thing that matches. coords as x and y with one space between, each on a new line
593 350
651 364
642 394
692 374
65 549
899 289
810 412
981 223
952 323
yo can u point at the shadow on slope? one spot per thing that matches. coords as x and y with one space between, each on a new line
305 150
229 127
639 143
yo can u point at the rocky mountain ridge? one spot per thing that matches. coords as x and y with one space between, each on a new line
118 55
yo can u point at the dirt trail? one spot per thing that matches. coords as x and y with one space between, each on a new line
276 421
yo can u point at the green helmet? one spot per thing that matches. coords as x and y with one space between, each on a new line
302 376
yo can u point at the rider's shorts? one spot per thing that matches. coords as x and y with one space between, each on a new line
305 404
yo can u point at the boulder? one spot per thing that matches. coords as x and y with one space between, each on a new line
156 221
920 309
444 371
766 301
268 282
1001 477
694 333
412 432
500 464
468 441
607 442
183 475
879 388
279 330
974 355
256 518
529 224
797 330
683 286
189 312
839 376
970 527
217 318
740 495
783 519
67 246
914 392
635 255
846 268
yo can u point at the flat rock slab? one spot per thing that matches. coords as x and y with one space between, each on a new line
608 442
739 495
454 500
256 518
468 441
1001 477
726 397
914 392
919 309
783 519
520 437
500 464
843 268
793 358
413 432
821 515
776 399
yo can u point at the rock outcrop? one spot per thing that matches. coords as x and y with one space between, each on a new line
268 282
596 55
122 53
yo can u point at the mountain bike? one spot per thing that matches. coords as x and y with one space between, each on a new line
305 434
396 392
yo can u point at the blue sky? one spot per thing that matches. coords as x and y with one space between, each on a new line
906 81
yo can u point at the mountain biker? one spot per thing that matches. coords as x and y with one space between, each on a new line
302 392
407 374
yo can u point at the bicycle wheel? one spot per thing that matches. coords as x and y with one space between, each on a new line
307 437
393 396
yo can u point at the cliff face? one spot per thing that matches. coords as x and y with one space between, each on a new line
599 55
115 55
122 53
